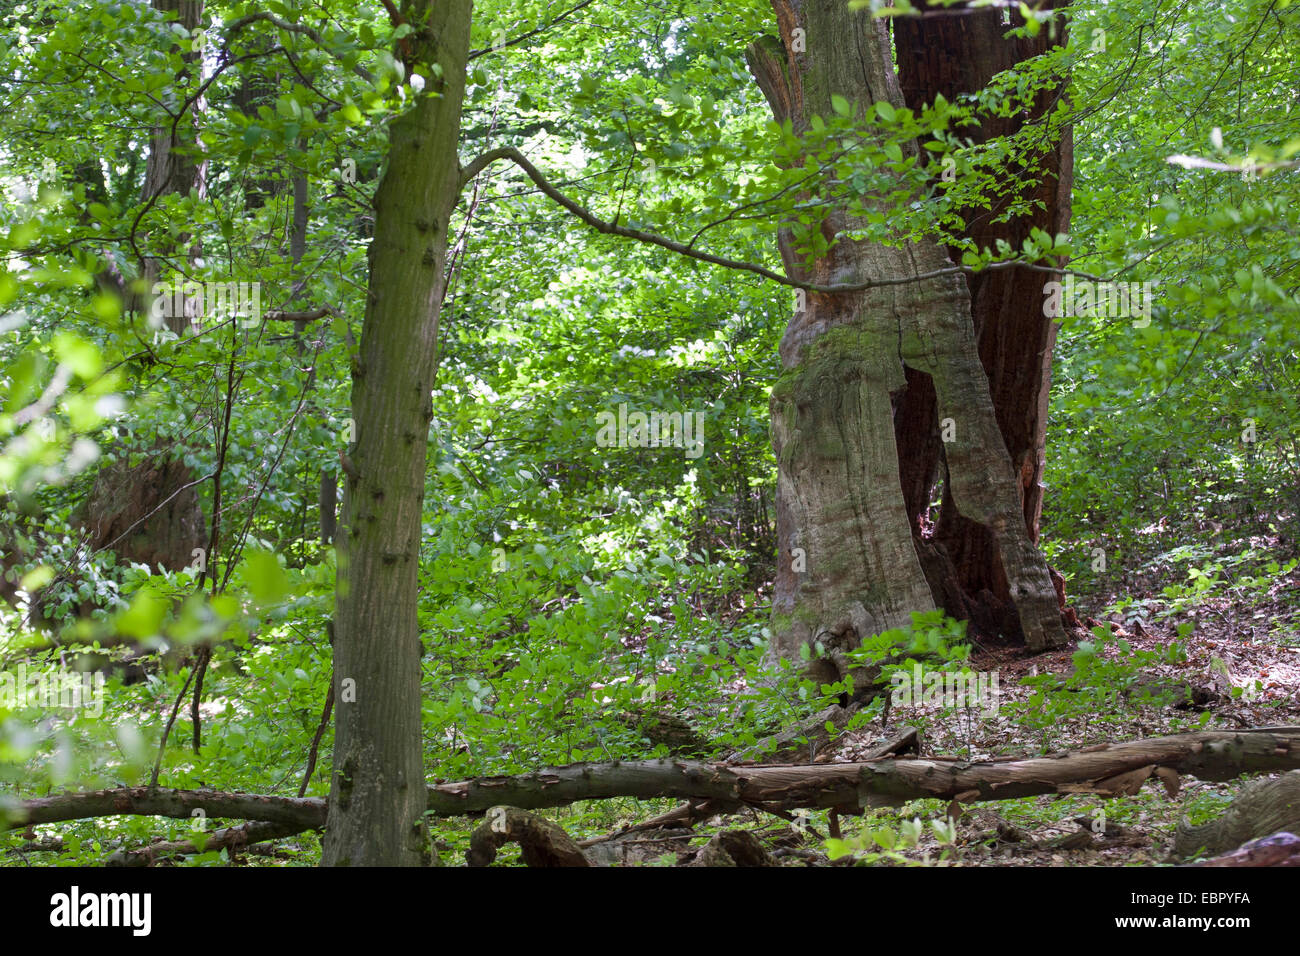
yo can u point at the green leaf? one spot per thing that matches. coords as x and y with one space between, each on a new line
77 354
144 617
36 578
836 849
266 579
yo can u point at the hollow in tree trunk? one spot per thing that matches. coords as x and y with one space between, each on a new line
951 54
848 564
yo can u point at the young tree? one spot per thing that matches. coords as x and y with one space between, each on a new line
377 793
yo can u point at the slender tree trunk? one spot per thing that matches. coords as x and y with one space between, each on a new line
377 793
857 570
257 88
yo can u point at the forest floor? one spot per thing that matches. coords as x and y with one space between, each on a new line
1250 642
1221 656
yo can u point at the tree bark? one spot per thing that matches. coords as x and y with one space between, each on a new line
541 842
377 786
848 566
175 165
950 55
1104 771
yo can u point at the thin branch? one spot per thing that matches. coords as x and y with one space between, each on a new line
474 54
477 165
162 745
309 316
238 548
237 25
324 722
204 657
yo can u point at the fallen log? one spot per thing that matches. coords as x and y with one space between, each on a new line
1280 849
1106 770
692 811
541 842
227 838
161 802
1262 807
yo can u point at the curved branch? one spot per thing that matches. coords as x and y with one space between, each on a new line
480 163
475 54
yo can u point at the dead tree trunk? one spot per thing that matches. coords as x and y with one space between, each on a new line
848 566
952 54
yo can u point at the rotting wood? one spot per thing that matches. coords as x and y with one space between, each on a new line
846 788
1262 807
541 842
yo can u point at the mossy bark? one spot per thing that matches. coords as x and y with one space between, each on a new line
377 794
952 56
1263 807
848 566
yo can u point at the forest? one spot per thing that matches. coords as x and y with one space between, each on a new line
593 433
